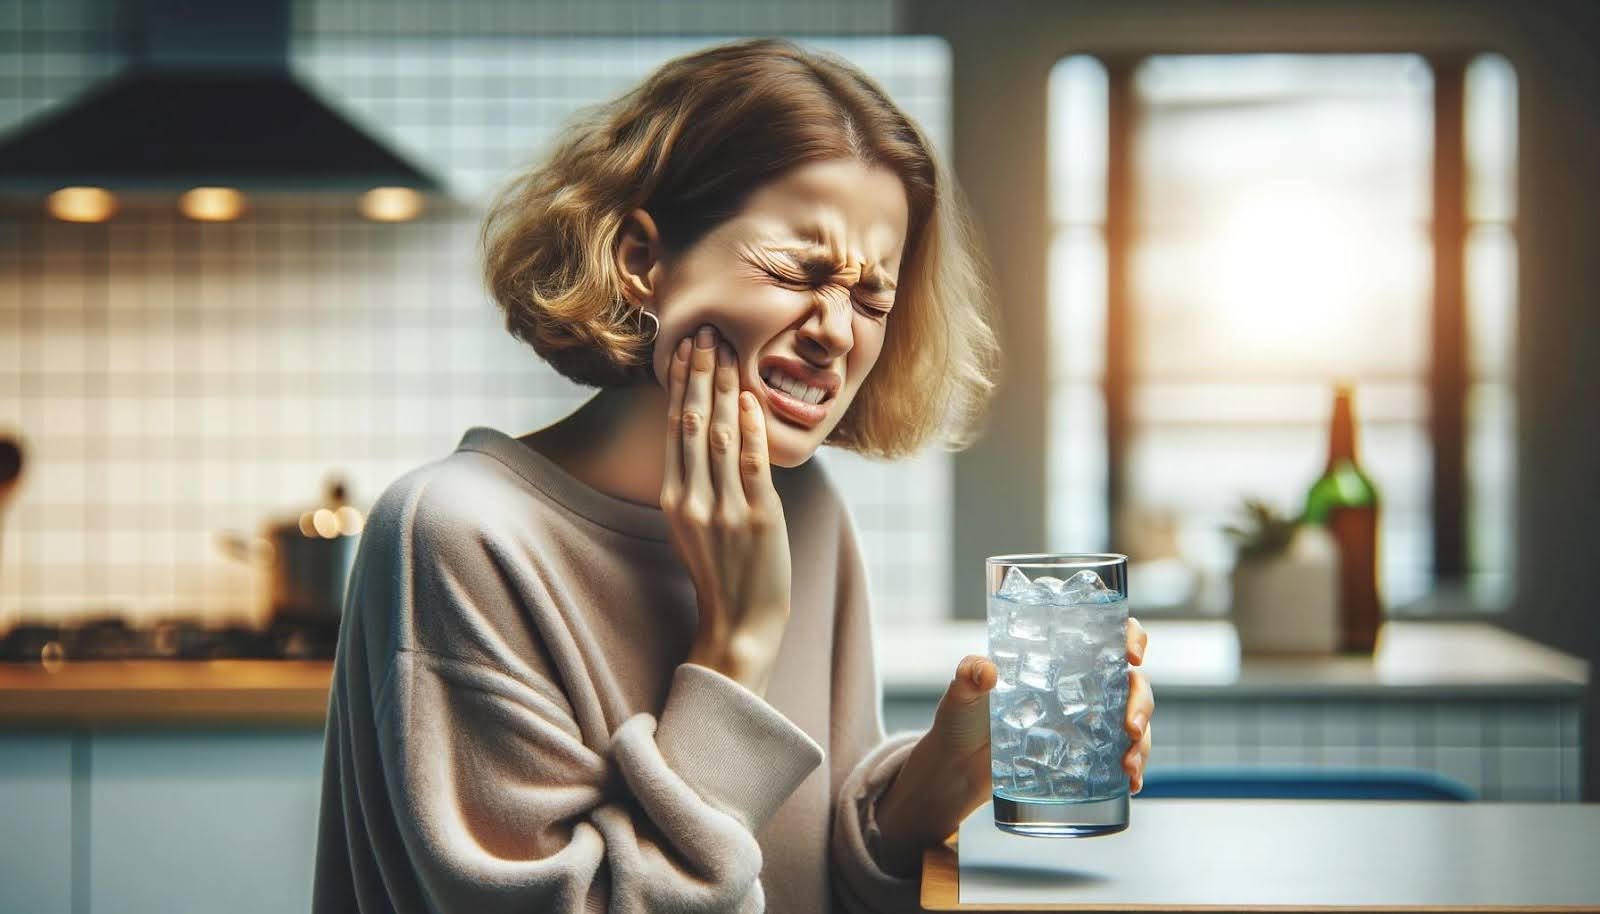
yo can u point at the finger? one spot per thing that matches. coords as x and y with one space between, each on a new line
1137 758
697 415
724 435
974 677
754 467
1141 704
677 376
1138 641
976 671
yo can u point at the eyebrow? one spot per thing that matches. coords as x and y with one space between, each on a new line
813 254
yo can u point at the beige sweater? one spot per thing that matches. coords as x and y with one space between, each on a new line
512 727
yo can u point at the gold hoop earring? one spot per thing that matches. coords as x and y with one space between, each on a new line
656 321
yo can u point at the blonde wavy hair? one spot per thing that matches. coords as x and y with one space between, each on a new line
689 145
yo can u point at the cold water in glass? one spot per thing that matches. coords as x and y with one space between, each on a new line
1058 635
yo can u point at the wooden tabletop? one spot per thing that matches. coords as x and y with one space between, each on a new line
1282 856
115 692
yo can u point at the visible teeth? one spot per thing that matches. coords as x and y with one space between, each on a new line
792 387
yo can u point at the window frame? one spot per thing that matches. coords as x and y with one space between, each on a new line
1447 374
1000 65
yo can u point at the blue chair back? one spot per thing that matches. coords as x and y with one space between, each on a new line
1237 782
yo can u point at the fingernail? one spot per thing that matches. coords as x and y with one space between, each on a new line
725 355
704 339
683 349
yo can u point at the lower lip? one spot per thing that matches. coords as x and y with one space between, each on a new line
797 411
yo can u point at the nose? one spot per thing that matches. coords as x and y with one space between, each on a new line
827 328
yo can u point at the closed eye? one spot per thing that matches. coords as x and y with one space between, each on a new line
807 285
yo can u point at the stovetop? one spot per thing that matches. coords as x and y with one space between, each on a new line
178 639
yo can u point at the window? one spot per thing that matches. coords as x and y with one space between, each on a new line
1230 236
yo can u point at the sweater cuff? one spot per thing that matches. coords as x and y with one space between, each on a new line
864 884
736 750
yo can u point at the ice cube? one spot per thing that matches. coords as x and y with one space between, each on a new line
1038 670
1029 622
1049 587
1001 770
1093 726
1076 759
1066 784
1028 779
1015 585
1112 686
1006 663
1072 692
1111 655
1043 744
1105 779
1072 644
1084 587
1003 738
1024 711
999 620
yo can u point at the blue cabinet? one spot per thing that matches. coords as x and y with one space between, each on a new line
155 820
36 823
203 820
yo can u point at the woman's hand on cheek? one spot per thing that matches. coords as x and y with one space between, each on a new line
726 520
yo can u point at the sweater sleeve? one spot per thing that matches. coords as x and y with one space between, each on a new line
503 808
505 802
864 761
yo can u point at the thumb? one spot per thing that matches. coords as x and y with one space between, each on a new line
962 719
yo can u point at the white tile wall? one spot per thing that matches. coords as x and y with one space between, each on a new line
173 379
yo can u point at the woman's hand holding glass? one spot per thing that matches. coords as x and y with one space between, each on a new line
726 520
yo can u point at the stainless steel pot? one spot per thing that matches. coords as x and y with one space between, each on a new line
308 557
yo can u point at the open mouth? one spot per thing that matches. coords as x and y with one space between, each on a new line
793 400
795 389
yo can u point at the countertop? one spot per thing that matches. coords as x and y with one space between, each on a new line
112 692
1282 856
1201 658
1186 658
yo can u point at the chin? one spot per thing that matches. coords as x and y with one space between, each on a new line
790 447
788 457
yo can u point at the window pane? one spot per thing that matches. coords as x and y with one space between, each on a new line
1491 290
1282 240
1283 284
1077 94
1491 136
1078 468
1280 245
1077 277
1078 305
1283 137
1491 496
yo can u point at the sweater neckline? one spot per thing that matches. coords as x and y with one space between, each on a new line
555 482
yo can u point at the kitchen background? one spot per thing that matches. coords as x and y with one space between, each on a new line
1232 205
175 378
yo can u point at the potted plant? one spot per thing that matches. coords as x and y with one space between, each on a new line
1285 583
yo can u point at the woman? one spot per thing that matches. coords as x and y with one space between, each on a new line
624 662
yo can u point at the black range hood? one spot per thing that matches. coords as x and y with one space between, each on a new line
207 99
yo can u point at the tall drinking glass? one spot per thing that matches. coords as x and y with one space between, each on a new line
1058 635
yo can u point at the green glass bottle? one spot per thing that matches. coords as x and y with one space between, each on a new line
1345 501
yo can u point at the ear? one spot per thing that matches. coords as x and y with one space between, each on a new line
639 256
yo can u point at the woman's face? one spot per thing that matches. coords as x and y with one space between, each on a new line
801 282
